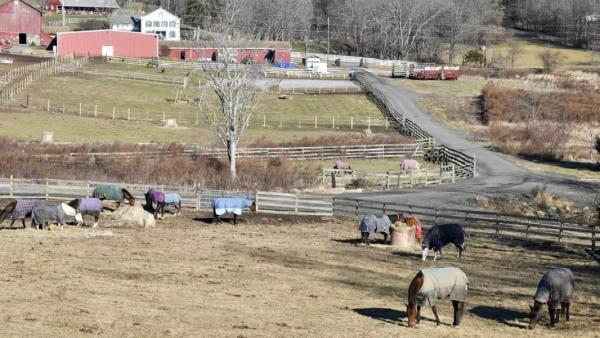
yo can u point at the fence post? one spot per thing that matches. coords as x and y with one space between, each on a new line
114 113
316 121
333 122
593 237
256 201
80 109
466 219
383 208
128 114
453 173
264 120
46 190
560 232
369 123
164 117
497 224
323 176
11 186
48 106
87 189
95 110
435 218
351 122
356 210
387 180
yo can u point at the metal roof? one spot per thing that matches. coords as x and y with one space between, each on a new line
259 44
123 19
91 3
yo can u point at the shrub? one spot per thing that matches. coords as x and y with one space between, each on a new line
90 25
549 59
474 56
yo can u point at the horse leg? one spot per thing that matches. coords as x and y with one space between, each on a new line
437 318
385 238
418 314
368 242
96 218
456 313
363 238
12 221
567 311
234 219
552 316
435 255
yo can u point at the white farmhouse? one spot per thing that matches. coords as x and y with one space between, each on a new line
162 23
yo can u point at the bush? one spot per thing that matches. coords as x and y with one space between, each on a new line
549 59
90 25
542 141
474 56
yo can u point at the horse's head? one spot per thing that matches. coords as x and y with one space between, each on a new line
534 314
253 207
74 203
411 314
4 213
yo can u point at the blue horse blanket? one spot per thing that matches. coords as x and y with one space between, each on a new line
555 287
234 205
108 192
172 198
90 205
373 224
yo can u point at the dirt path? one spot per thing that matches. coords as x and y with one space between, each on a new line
274 277
496 173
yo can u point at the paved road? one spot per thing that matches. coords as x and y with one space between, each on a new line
495 173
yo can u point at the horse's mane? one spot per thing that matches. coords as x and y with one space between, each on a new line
414 288
74 203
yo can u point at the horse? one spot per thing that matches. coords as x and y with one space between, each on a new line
45 213
407 164
343 165
114 193
87 206
371 224
412 221
18 209
441 235
157 197
234 205
174 199
556 290
429 285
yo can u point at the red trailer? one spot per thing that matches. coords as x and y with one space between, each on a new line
107 43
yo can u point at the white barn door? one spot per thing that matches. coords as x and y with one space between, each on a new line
107 51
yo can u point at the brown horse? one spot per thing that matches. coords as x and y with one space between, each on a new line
412 221
429 285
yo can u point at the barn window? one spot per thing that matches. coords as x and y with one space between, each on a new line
172 34
165 24
156 23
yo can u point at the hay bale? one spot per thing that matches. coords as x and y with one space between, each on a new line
128 216
47 137
171 123
367 133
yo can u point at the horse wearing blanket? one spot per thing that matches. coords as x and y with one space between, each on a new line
19 209
555 289
429 285
234 205
87 206
47 213
114 193
371 224
174 199
155 197
441 235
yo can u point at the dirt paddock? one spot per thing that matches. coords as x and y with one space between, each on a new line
268 276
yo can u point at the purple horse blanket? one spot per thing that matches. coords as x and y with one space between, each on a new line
156 196
555 287
90 205
23 209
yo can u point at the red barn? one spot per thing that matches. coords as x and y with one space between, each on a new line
107 43
20 22
256 52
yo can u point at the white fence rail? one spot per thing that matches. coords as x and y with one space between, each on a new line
290 204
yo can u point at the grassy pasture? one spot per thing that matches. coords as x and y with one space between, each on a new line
269 276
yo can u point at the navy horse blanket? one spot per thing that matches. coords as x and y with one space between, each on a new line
44 212
373 224
440 235
441 283
555 287
234 205
23 209
108 192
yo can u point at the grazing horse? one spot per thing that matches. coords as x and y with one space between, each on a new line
441 235
556 290
157 197
87 206
343 165
174 199
19 209
234 205
114 193
371 224
406 165
429 285
46 213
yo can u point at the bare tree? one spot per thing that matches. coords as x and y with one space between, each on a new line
515 50
549 59
238 93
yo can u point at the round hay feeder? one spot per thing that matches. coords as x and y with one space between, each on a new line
171 123
402 236
47 137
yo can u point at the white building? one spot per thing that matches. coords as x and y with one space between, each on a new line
124 22
164 24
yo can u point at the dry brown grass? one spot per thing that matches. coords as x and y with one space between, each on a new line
268 277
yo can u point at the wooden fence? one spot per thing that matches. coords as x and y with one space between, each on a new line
476 222
465 164
71 21
370 151
19 79
319 90
136 76
392 180
281 73
204 65
290 204
346 59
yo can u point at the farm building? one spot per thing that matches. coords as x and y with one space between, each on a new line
124 22
162 23
82 6
107 43
257 52
21 23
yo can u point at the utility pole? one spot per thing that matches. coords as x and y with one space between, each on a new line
63 12
327 40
